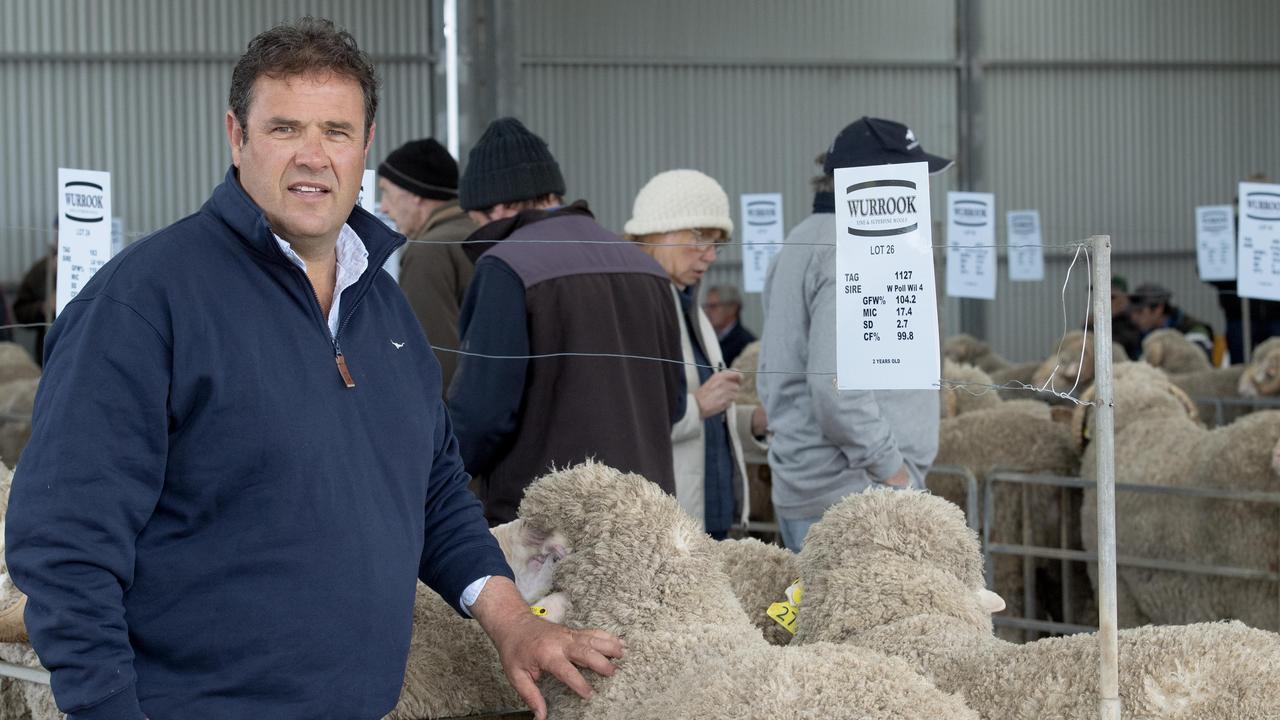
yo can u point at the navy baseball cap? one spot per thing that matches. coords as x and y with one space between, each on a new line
875 141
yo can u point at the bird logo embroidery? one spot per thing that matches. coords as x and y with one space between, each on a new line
398 345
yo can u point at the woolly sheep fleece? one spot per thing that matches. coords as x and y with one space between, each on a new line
641 569
1159 441
900 573
1171 351
1009 437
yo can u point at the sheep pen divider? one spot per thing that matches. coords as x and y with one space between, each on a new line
1029 551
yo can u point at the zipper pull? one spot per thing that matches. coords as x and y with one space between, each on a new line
342 370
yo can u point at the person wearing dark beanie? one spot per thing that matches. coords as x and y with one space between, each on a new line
539 294
509 169
418 182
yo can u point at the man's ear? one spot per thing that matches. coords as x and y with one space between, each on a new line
369 140
235 137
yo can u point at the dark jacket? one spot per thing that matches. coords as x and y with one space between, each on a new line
534 294
207 521
733 343
434 275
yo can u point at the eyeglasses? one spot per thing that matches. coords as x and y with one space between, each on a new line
702 242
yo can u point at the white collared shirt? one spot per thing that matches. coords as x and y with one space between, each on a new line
353 260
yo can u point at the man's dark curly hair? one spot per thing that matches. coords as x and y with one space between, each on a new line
306 46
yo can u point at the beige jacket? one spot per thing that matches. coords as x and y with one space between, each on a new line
434 276
687 434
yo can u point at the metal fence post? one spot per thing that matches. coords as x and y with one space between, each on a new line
1108 641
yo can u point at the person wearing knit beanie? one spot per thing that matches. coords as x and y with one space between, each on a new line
509 169
418 182
679 218
551 284
414 180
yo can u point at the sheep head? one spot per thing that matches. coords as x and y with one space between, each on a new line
960 400
533 554
1262 377
635 554
883 556
1064 366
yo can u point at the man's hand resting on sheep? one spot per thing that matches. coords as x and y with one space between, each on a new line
529 645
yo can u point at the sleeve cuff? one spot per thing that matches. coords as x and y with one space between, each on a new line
472 593
884 468
121 706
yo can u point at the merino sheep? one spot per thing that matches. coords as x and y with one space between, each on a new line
1016 440
16 364
640 568
1171 351
1261 378
968 350
1159 441
1214 383
900 573
1071 367
453 667
965 388
759 575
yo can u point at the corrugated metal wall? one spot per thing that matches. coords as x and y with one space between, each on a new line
1120 118
1109 117
748 91
139 88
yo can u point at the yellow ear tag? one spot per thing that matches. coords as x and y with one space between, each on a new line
538 610
794 592
786 613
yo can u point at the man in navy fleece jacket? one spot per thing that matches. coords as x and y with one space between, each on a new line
240 461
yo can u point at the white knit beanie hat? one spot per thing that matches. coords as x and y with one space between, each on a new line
679 200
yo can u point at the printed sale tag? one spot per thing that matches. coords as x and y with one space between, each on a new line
1215 243
1258 258
84 229
971 239
1026 248
886 312
761 232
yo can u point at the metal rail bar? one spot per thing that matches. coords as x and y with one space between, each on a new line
1227 571
35 675
970 489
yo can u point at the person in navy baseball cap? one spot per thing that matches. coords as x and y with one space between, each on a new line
875 141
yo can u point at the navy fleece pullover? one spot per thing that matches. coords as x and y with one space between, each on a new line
207 521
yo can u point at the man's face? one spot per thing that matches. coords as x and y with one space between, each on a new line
1146 316
720 313
301 156
403 207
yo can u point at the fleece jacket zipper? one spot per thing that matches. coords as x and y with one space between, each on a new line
362 287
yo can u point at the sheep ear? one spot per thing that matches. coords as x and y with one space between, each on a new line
989 601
